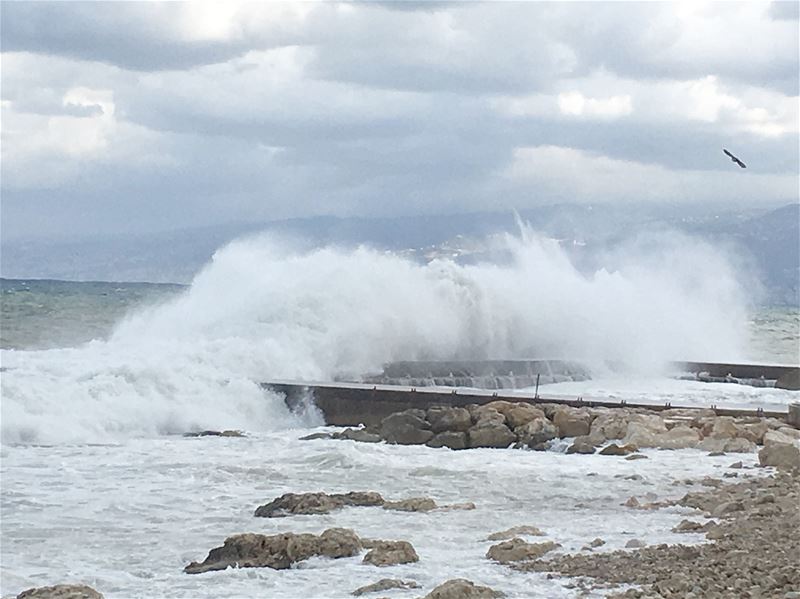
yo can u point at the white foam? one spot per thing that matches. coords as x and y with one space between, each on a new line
262 310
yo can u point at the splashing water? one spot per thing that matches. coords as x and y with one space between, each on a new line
261 310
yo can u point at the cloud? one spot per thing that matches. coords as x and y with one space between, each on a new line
152 116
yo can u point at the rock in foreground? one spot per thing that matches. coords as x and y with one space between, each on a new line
460 588
384 584
61 591
278 552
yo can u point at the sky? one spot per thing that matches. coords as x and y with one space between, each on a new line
128 118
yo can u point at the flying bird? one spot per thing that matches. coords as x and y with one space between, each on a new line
734 158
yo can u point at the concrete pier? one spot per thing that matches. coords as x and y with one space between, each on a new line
351 404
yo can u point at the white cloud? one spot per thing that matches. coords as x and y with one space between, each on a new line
576 104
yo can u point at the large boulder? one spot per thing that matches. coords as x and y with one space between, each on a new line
581 445
521 414
734 445
489 433
453 440
536 431
406 428
290 504
784 456
279 552
460 588
644 433
61 591
517 550
572 422
449 419
614 449
609 426
390 553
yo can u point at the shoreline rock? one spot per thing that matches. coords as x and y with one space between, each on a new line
61 591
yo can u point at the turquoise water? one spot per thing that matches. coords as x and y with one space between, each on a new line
43 314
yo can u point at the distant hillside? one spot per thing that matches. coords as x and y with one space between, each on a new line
770 237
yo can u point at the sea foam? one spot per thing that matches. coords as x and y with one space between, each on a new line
264 310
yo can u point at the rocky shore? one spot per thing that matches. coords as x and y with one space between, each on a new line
750 518
754 529
608 431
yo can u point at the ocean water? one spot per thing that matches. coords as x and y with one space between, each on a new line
100 380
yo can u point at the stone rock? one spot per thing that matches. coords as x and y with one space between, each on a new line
521 414
460 588
536 431
777 437
215 434
636 456
597 543
736 465
389 553
487 416
734 445
500 405
314 436
61 591
384 584
517 550
678 437
784 456
615 449
790 432
406 428
688 526
453 440
467 506
279 552
358 434
572 422
634 544
514 531
727 507
413 504
490 434
608 426
449 419
583 447
290 504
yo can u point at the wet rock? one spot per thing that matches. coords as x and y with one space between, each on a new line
516 550
406 428
521 414
688 526
489 433
572 422
514 531
597 543
780 455
314 436
609 426
358 434
278 552
61 591
634 544
615 449
536 431
467 506
736 465
453 440
385 584
413 504
290 504
734 445
582 447
460 588
215 434
389 553
636 456
449 419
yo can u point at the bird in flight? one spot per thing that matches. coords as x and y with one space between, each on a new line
734 158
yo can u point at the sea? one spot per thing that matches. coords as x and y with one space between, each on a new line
100 380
